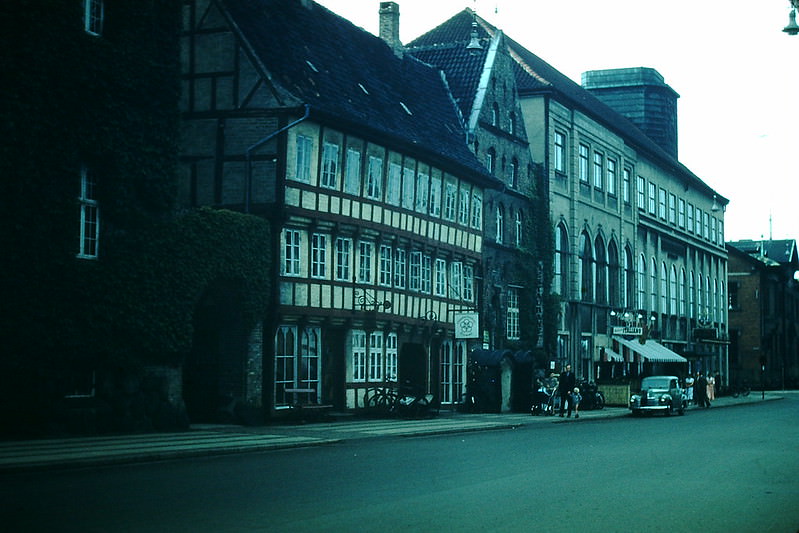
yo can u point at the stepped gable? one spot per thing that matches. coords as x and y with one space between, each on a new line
353 77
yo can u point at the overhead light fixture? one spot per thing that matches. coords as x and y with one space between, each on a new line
792 28
474 44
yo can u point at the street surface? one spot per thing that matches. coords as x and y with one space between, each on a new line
726 469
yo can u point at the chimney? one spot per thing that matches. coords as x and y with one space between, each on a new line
389 26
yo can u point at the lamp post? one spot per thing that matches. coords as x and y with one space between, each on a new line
792 28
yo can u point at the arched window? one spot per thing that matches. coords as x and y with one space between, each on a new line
653 286
495 114
561 261
601 272
500 221
628 284
699 297
491 160
673 291
512 123
613 274
664 289
586 269
641 304
683 298
691 296
514 173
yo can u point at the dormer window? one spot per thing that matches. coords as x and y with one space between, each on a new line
93 11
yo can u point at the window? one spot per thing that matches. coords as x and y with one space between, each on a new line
291 252
691 296
365 262
375 367
514 173
512 123
297 364
374 180
477 211
352 179
416 271
358 356
408 185
561 265
653 286
664 289
93 12
560 152
625 186
586 269
662 203
453 370
422 192
705 225
441 278
392 361
641 193
494 114
698 226
682 297
721 232
427 274
304 148
652 193
613 274
512 319
598 164
89 215
641 303
343 247
610 181
435 197
583 163
733 299
330 165
500 221
491 160
681 213
393 184
468 283
672 209
463 206
629 279
386 260
399 268
601 274
519 226
450 198
690 212
318 255
455 280
713 232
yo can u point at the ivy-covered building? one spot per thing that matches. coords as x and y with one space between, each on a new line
102 273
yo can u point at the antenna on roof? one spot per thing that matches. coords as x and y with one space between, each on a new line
474 43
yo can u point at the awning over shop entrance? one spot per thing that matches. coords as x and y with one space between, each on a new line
652 351
609 355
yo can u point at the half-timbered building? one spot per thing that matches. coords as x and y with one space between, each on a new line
357 155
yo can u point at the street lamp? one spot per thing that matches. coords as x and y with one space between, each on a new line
792 28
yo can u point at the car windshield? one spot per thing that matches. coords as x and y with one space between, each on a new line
655 383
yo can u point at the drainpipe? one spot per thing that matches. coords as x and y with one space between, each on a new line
251 149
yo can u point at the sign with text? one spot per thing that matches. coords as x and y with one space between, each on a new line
467 325
628 330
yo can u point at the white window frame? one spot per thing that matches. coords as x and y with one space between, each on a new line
386 264
352 178
610 172
89 244
392 357
393 184
330 154
477 211
512 331
358 354
408 187
435 196
319 255
415 274
599 166
427 274
93 17
292 249
343 258
583 163
304 145
560 152
463 206
455 280
365 261
374 178
450 199
375 359
441 277
468 283
422 191
400 264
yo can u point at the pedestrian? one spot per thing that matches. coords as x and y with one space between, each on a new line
576 399
565 388
700 391
689 388
711 387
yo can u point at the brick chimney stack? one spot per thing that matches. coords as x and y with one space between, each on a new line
389 26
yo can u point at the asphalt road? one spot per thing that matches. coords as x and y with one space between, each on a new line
732 469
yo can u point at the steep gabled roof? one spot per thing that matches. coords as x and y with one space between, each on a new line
536 76
353 78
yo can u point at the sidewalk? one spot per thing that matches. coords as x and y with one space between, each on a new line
202 440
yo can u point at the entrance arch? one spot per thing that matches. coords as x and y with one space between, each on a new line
214 374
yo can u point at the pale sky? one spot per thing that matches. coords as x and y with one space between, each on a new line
736 72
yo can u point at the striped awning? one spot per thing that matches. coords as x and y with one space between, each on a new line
652 351
611 356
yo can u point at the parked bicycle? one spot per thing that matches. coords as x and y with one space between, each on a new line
740 390
408 402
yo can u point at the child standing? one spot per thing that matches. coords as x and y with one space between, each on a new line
576 401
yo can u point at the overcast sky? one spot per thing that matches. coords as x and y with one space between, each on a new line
736 72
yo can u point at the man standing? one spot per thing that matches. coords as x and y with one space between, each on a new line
700 391
565 388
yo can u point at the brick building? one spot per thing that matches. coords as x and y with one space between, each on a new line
764 313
